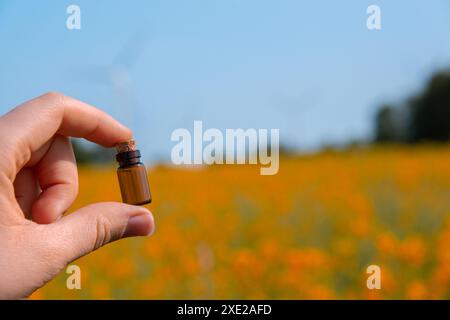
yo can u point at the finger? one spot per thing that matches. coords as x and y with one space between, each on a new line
26 128
96 225
26 189
58 178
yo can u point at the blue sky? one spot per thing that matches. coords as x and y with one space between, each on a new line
309 68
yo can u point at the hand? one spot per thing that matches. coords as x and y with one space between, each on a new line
39 182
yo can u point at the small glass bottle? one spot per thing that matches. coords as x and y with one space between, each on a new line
132 175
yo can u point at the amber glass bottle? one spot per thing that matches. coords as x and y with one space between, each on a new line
132 175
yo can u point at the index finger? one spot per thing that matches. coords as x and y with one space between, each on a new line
29 126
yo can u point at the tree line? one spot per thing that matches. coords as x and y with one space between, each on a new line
423 117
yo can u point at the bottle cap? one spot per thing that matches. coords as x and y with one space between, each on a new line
126 146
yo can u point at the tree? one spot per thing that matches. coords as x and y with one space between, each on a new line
91 154
430 112
425 117
387 126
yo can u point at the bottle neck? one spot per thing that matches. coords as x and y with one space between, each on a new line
128 158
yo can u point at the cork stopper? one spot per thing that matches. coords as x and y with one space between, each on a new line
126 146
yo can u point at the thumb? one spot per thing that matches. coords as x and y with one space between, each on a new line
96 225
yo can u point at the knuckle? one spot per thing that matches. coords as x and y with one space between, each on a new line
53 96
54 101
103 228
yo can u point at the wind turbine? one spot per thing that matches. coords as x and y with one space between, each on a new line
117 76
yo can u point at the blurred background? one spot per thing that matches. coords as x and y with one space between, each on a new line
364 119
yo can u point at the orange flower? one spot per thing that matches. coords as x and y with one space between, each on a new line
413 251
387 244
417 291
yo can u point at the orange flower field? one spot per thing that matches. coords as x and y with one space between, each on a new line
309 232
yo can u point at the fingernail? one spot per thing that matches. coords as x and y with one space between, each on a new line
140 225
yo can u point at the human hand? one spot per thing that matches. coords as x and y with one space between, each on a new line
39 182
